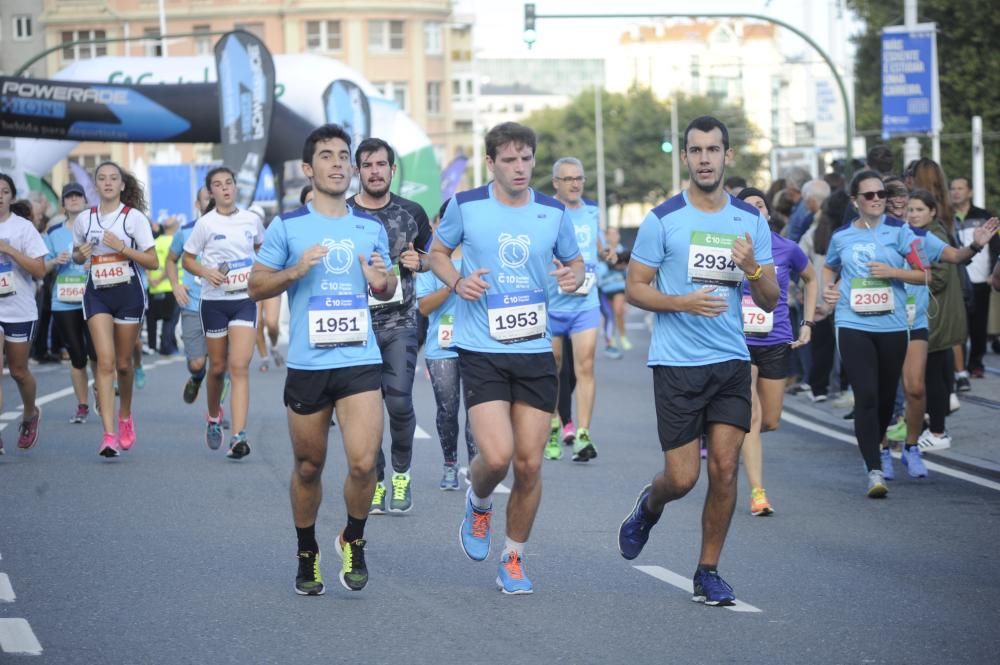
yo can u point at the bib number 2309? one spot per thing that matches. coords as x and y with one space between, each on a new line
871 296
518 316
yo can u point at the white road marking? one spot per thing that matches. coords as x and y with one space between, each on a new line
10 415
6 590
463 473
420 433
16 637
685 584
846 438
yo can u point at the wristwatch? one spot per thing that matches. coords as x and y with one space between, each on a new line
811 324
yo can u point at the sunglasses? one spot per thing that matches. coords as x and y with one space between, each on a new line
871 196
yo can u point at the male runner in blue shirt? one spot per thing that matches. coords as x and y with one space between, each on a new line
512 237
699 246
329 258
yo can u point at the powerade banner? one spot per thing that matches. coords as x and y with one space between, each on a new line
78 111
246 101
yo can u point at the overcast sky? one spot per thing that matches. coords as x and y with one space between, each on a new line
499 24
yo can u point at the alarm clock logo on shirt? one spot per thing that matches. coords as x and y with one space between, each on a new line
339 256
514 250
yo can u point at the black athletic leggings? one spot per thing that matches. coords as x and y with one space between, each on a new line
937 382
874 363
75 335
399 362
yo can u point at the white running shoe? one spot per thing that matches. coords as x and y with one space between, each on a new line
953 404
844 401
928 441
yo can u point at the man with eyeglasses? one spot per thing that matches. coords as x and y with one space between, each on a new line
576 315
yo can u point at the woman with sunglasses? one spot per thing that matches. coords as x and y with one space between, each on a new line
866 265
116 238
770 338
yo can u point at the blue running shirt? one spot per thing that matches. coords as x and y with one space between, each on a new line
71 277
331 301
918 296
876 305
680 241
586 223
441 323
190 282
517 246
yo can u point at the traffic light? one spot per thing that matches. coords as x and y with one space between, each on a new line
667 145
529 23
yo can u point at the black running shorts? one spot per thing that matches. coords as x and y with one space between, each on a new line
771 360
509 377
308 391
688 398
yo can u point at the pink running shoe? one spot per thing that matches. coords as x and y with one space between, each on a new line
126 432
109 446
569 433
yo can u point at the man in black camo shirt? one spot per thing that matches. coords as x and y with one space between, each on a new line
394 320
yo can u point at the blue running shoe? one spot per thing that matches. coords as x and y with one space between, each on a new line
213 434
475 531
711 589
140 378
634 531
914 462
887 470
511 578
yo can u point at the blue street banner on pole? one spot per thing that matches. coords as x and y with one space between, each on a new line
910 98
172 190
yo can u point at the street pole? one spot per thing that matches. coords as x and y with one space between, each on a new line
675 159
911 148
978 171
163 30
599 139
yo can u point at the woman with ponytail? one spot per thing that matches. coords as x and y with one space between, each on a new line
115 239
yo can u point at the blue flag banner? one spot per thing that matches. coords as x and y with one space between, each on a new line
910 98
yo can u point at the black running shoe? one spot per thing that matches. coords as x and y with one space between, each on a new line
353 571
309 582
191 390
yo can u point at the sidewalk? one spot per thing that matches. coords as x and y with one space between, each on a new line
974 428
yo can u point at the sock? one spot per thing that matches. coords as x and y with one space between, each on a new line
480 503
355 529
708 568
962 375
583 431
556 424
199 376
910 446
307 538
509 545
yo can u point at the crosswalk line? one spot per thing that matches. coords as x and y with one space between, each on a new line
685 584
16 637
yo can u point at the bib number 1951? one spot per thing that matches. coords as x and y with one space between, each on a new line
337 320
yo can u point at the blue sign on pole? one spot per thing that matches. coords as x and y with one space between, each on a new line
171 192
910 101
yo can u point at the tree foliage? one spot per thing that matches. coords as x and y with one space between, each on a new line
969 73
635 124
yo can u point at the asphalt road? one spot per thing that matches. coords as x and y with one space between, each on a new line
174 554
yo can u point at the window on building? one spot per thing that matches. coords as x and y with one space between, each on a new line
83 51
434 96
152 45
203 42
255 29
323 36
386 36
90 162
394 90
21 27
432 38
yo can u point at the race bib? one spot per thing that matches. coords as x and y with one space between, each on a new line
518 316
756 321
6 278
237 276
710 259
871 296
337 321
70 288
108 270
397 295
589 279
446 329
911 310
